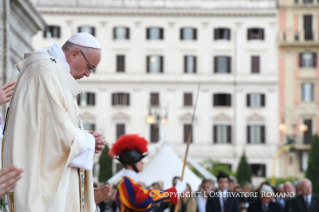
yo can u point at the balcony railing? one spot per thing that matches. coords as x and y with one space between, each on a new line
292 37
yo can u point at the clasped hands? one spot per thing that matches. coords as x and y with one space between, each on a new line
99 141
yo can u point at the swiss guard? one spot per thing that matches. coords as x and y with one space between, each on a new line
130 149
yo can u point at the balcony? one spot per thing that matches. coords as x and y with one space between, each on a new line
299 3
291 38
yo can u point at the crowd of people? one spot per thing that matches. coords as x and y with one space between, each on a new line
229 196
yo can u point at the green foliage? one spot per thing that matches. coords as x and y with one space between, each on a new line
312 172
243 171
105 162
215 167
281 180
3 204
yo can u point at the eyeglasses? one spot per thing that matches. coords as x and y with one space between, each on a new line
92 68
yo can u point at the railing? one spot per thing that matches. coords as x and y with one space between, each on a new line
191 4
292 36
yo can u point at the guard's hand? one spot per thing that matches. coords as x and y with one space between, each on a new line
99 141
180 186
6 92
102 193
8 179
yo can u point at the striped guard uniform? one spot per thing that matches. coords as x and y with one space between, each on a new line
132 197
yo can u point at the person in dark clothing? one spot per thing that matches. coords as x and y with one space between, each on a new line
264 203
307 201
220 200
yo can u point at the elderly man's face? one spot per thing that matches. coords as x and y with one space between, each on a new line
306 188
208 187
265 199
79 66
288 188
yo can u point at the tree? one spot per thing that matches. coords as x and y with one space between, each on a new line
312 172
105 162
243 171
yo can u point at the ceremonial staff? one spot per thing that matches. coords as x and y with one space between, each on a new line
189 138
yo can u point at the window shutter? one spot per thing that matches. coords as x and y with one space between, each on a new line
45 32
154 132
262 34
161 33
228 64
93 98
255 64
303 92
79 99
185 64
215 64
228 34
79 29
161 64
195 64
215 100
195 33
181 35
188 99
185 132
117 63
215 34
114 33
128 99
312 92
300 60
248 134
229 133
148 33
215 134
59 32
263 100
314 59
249 34
113 99
248 100
148 64
127 33
120 130
93 31
263 136
228 100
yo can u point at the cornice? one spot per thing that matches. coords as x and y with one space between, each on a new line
155 12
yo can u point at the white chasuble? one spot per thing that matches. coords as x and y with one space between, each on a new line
44 139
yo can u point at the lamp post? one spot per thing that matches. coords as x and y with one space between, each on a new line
159 116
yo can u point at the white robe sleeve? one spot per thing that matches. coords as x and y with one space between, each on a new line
84 159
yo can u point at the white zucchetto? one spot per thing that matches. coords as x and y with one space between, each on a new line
85 39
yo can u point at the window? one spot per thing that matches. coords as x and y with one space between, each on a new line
189 64
120 63
154 33
154 99
89 127
154 133
255 64
307 92
307 27
258 170
304 156
90 30
188 129
120 130
120 99
307 1
256 134
86 99
52 32
222 134
188 99
222 100
255 100
308 60
255 34
154 64
188 34
222 64
307 136
221 34
121 33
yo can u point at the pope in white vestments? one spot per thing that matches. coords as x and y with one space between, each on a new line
44 133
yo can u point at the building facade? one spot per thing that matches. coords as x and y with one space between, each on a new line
155 53
298 80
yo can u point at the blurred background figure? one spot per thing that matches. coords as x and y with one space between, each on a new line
264 202
206 187
186 203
